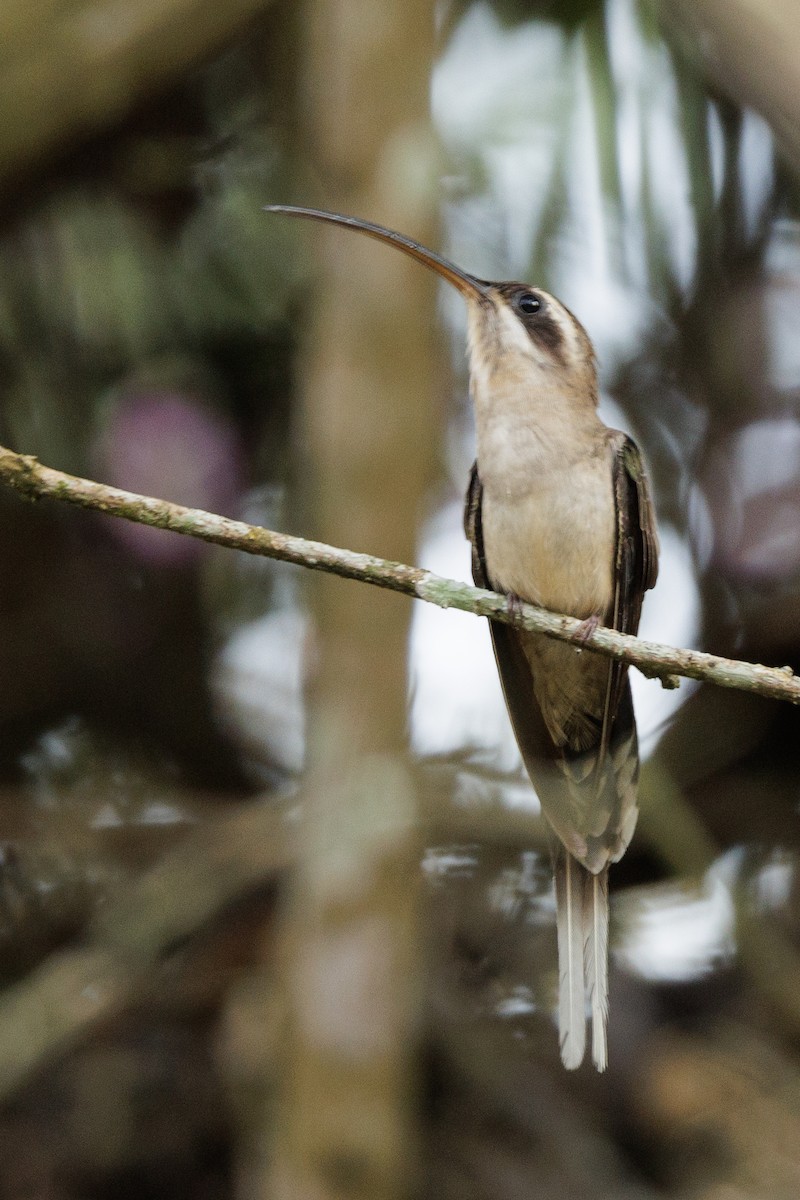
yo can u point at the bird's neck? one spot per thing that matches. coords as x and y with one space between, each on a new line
531 429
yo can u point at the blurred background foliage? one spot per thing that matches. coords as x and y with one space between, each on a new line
641 160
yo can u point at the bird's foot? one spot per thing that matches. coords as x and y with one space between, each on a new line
587 628
514 605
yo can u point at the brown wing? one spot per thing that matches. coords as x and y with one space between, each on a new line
636 566
473 527
637 540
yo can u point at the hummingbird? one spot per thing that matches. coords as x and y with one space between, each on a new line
559 514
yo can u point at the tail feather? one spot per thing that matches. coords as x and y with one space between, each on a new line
582 920
596 962
570 915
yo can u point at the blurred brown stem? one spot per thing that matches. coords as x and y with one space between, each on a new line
24 473
68 68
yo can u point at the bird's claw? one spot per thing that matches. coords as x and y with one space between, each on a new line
587 628
514 605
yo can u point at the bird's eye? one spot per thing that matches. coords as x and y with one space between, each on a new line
528 303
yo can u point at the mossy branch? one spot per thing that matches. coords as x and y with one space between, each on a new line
35 481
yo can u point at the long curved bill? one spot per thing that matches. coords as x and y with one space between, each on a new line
468 285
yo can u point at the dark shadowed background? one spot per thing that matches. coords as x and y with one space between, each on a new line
275 904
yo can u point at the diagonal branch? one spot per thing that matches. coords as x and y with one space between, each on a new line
27 475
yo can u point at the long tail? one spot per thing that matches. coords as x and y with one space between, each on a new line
582 919
595 918
570 918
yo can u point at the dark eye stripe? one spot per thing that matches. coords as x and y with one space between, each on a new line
546 333
540 325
